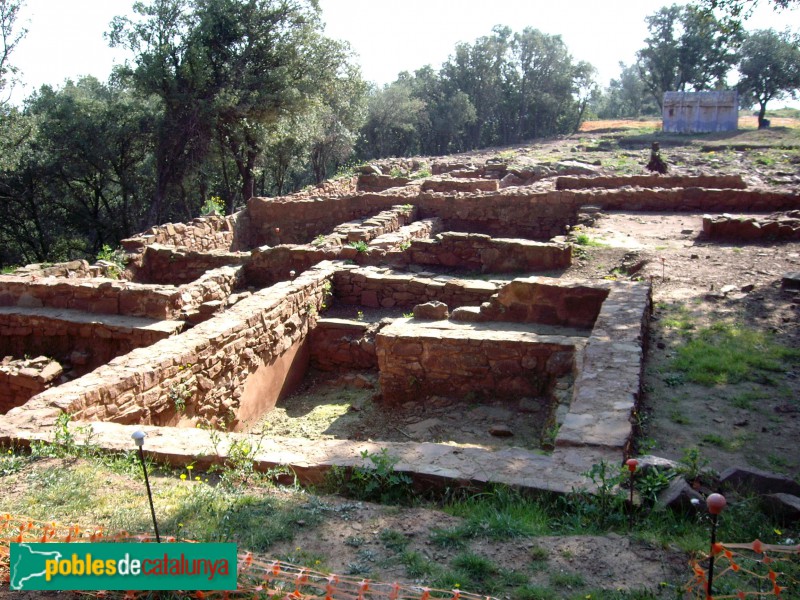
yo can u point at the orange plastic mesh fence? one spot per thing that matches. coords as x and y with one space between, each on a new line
258 577
756 566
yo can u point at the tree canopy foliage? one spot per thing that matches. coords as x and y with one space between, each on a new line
687 50
501 89
770 68
227 99
733 12
224 99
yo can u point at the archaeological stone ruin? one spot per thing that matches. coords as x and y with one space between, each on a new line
440 287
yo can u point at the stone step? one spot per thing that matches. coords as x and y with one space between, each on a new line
116 323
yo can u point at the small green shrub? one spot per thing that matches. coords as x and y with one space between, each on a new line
378 482
692 464
583 239
65 443
448 538
214 206
114 256
360 246
534 592
10 462
651 483
393 539
416 564
476 567
422 173
538 554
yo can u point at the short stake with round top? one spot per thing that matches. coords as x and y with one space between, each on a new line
715 503
138 438
632 463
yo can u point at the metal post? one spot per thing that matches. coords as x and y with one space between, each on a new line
715 503
138 438
631 463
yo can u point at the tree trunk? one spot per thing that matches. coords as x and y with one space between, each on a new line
762 122
580 116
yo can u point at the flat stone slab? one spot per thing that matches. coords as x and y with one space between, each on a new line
488 329
559 472
116 322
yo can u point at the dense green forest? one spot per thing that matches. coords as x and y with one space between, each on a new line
227 99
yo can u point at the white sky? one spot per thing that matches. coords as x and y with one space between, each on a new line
65 37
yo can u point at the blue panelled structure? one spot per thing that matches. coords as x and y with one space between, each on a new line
700 112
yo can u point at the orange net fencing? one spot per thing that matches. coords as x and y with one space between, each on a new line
258 577
754 570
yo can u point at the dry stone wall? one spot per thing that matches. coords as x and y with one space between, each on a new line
607 388
546 301
477 252
380 183
113 297
731 182
532 216
202 234
387 221
74 269
683 199
779 226
420 360
395 240
374 288
22 379
268 266
83 340
290 220
200 375
168 265
448 185
514 212
342 344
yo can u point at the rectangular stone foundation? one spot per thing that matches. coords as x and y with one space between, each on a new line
86 341
494 361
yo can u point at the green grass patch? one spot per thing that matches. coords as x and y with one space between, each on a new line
107 490
393 539
566 580
500 513
479 574
416 564
779 463
677 317
746 400
583 239
730 443
538 554
679 418
727 353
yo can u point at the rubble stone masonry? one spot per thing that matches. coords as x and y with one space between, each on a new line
112 297
201 374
